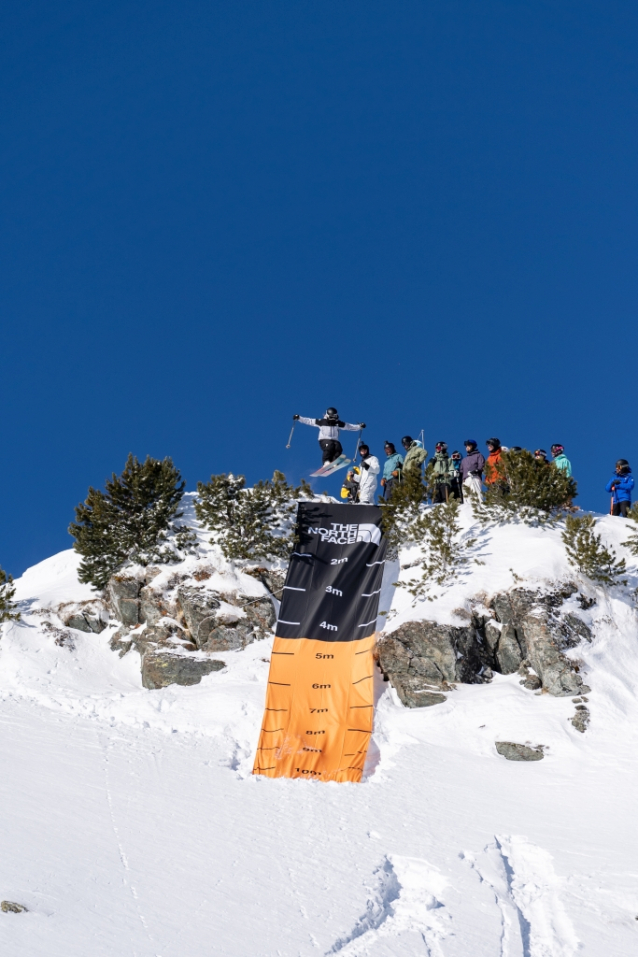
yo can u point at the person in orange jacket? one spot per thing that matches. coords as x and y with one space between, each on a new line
491 466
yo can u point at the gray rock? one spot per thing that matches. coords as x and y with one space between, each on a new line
532 683
414 693
518 752
123 596
581 719
120 641
10 907
163 668
434 653
214 627
508 652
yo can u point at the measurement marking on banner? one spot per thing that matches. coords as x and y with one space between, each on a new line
280 621
328 686
282 652
291 588
274 748
318 732
284 684
318 655
365 730
316 750
361 679
302 554
303 771
338 561
370 564
370 594
366 651
334 591
265 730
283 709
318 711
364 625
361 706
271 768
324 624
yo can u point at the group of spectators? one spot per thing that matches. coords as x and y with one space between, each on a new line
448 474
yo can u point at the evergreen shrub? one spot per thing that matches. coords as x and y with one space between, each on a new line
132 522
586 552
7 605
536 493
250 523
443 552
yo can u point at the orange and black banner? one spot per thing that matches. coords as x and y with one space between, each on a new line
320 702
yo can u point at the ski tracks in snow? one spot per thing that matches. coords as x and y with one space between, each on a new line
526 890
406 901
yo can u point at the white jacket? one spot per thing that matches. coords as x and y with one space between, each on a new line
368 479
329 429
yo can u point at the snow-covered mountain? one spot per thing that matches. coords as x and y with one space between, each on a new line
132 824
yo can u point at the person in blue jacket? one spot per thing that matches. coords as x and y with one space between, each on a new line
620 486
391 469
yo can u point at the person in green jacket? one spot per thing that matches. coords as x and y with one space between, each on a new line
441 471
415 454
560 459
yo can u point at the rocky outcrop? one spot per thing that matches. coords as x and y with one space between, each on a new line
521 630
518 752
10 907
167 625
91 617
163 668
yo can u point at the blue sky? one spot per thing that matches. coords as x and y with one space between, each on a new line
217 215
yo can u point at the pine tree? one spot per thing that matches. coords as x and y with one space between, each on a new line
403 508
250 523
586 552
632 541
444 554
535 493
132 521
7 605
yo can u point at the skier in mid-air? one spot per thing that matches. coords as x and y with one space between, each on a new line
329 427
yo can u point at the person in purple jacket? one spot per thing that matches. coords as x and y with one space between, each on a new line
620 486
472 467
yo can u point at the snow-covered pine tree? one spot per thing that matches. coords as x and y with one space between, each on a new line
586 552
535 493
132 522
632 541
7 605
403 508
250 523
443 552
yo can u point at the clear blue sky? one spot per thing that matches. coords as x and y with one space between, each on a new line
215 215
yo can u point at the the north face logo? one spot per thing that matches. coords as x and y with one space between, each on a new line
339 534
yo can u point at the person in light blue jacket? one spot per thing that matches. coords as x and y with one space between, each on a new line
560 459
391 469
620 486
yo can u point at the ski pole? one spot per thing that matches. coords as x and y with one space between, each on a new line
356 451
290 436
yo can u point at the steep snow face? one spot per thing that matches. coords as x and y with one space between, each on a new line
132 823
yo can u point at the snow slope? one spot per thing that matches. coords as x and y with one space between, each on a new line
131 824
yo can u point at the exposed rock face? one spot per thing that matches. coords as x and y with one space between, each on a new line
522 630
518 752
165 626
162 668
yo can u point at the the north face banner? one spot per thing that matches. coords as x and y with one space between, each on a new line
319 703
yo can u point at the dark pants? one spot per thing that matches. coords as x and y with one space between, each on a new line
331 449
456 490
387 488
621 508
441 493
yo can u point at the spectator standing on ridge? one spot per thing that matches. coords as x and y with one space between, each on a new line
415 454
367 480
541 456
456 486
620 486
493 472
560 459
472 467
442 473
391 469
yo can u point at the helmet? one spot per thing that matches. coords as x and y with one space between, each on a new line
441 447
332 413
389 445
622 464
456 454
495 443
407 441
557 449
515 448
541 452
471 442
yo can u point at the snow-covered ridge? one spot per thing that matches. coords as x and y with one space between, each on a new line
445 847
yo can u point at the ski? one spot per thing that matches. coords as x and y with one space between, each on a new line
339 463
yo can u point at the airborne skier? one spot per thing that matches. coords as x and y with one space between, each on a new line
329 427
